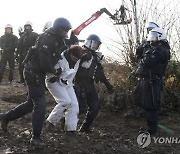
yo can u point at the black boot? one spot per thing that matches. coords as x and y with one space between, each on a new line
37 142
4 122
85 129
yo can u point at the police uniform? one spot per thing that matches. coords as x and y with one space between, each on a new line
90 69
8 43
26 40
38 62
150 70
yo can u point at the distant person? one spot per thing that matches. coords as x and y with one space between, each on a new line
40 60
20 31
8 44
90 71
27 40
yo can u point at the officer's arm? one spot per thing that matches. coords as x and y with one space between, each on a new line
151 58
103 79
44 58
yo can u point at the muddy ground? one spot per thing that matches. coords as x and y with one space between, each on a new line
112 133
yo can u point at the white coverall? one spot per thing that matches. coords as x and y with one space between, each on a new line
64 94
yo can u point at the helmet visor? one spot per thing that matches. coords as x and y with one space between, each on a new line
93 45
152 36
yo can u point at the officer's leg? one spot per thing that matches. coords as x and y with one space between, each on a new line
37 94
93 104
11 63
82 100
17 112
151 107
71 117
152 121
3 65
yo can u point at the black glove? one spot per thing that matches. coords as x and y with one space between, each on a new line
87 56
58 72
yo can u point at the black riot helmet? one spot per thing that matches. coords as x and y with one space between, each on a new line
62 26
93 42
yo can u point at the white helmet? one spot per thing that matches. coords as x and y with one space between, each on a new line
156 34
28 23
151 25
47 25
8 26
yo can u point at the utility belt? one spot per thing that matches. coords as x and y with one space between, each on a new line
154 77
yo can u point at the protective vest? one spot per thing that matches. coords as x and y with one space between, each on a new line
47 51
26 41
8 43
153 62
87 68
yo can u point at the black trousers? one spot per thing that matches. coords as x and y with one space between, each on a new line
10 59
88 98
36 103
147 96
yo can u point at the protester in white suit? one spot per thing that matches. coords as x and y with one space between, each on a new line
61 88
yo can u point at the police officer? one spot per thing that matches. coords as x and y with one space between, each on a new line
39 61
141 49
90 70
150 70
8 43
27 39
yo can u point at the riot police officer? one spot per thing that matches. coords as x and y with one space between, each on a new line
27 39
8 43
141 49
150 70
39 61
90 70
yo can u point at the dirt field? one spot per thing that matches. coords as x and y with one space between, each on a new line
112 133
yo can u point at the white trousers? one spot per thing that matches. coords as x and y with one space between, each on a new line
67 106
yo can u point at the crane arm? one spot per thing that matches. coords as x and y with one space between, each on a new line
95 16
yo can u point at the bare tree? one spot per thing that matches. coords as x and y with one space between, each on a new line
163 12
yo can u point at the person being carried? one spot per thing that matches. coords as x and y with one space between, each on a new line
61 88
